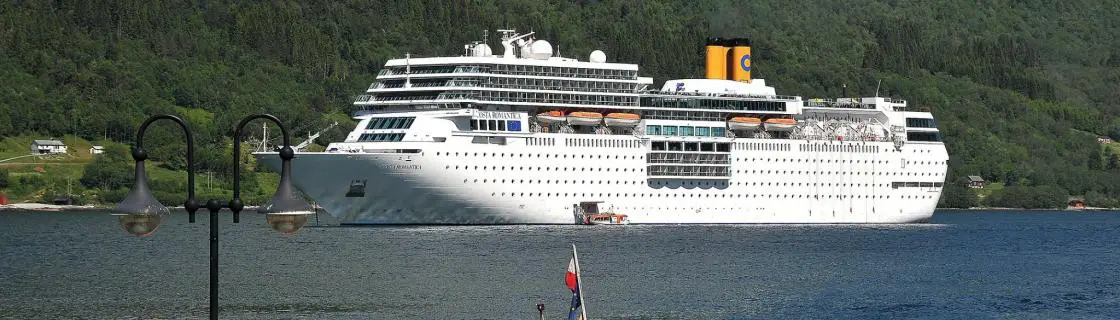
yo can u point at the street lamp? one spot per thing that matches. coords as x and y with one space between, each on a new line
140 213
286 212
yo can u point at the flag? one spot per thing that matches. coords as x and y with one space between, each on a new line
572 281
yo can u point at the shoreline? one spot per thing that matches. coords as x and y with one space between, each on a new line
41 207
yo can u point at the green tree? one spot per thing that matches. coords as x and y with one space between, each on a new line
1113 161
1093 158
957 195
4 179
106 174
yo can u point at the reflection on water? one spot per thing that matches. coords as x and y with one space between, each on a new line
963 265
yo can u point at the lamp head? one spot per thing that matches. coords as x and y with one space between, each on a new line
286 212
140 213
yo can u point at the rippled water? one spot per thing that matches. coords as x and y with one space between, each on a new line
1018 265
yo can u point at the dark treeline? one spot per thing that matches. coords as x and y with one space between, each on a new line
1020 89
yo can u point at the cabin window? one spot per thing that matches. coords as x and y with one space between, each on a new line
653 130
719 132
703 131
675 146
669 130
686 131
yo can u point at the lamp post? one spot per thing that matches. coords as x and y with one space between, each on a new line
140 213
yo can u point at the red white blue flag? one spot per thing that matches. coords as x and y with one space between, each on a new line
572 280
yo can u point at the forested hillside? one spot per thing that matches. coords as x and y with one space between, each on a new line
1021 89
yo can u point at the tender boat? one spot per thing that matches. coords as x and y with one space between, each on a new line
554 116
619 119
780 124
744 123
606 218
580 118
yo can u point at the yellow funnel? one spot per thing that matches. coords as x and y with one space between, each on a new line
740 60
715 65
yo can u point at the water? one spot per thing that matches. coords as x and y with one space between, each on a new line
975 265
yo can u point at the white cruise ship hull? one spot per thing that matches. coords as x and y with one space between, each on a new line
771 182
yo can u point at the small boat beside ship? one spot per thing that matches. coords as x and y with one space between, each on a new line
588 213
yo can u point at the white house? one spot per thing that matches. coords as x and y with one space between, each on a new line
47 146
96 150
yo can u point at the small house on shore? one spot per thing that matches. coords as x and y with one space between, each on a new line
47 147
975 182
1076 203
96 150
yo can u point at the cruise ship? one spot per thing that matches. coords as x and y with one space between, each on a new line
526 136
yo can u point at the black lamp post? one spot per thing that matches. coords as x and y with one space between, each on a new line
140 213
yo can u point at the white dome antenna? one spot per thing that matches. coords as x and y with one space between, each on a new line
540 50
598 56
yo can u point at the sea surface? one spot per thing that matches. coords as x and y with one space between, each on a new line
963 265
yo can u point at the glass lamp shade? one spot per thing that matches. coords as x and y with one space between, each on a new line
140 213
286 212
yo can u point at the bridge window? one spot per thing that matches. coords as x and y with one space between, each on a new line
381 137
390 123
923 136
921 123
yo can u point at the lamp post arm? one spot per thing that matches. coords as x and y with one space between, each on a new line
236 205
139 154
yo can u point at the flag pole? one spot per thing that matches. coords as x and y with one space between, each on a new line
579 284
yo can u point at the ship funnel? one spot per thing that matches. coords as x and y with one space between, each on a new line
715 64
740 60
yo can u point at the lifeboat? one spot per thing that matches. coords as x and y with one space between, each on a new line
585 118
744 123
780 124
622 119
551 117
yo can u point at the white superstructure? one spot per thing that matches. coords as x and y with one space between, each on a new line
526 136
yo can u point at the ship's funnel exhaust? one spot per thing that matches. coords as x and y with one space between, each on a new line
740 60
715 65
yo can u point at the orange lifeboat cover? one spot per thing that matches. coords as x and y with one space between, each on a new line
621 115
590 115
745 120
781 121
554 113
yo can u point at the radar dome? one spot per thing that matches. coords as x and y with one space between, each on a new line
598 56
483 50
542 50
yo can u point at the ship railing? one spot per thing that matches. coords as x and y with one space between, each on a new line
717 95
838 105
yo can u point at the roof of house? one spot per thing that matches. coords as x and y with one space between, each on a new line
49 143
975 179
98 147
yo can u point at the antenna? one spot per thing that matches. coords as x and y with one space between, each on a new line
877 87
